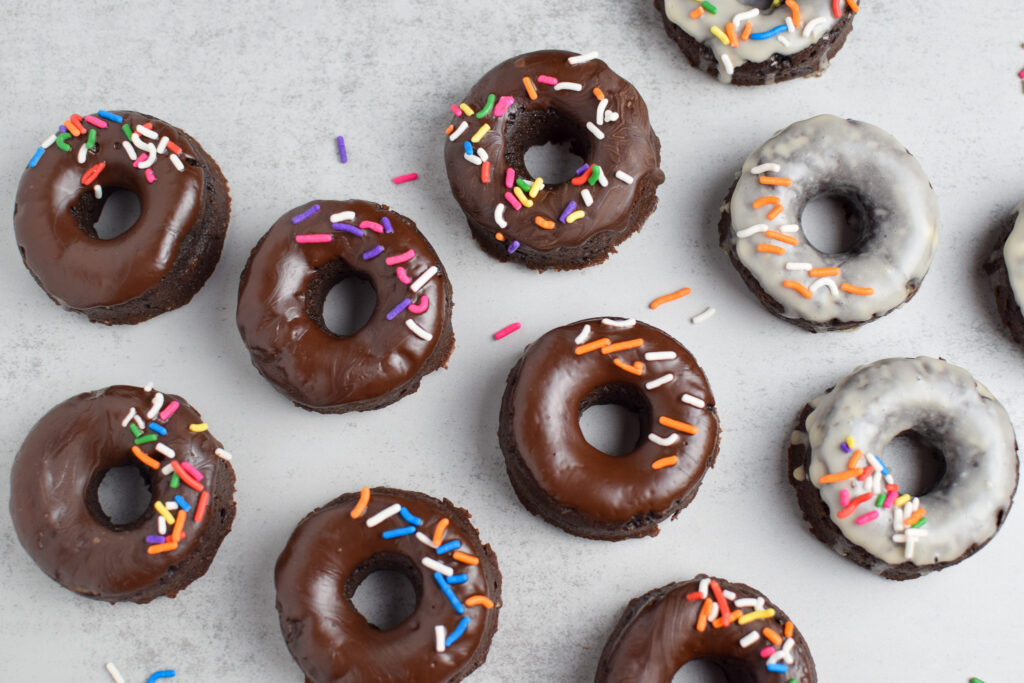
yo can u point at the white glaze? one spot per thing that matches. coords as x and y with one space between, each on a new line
824 154
1013 256
879 401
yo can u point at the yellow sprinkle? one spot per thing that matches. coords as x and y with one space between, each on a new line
537 186
198 427
467 109
164 512
720 34
521 196
575 216
850 443
754 616
903 500
480 133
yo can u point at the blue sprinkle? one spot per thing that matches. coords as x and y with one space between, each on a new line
457 633
116 118
765 35
342 154
449 593
154 539
393 313
36 157
376 251
345 227
448 547
387 224
409 517
582 169
468 147
182 503
159 429
157 675
512 247
305 214
885 470
457 578
778 668
396 533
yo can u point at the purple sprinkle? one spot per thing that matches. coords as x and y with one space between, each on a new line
63 128
387 224
346 227
582 169
568 209
398 309
512 247
305 214
846 449
154 539
367 255
341 150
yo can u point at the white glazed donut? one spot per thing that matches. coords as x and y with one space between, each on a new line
852 499
1005 268
891 202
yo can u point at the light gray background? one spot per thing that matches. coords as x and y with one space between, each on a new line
266 86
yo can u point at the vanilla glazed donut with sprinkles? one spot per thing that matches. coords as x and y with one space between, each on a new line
553 96
163 258
432 543
744 42
56 509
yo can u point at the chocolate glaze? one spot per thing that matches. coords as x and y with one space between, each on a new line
560 476
629 145
657 635
54 215
330 553
56 511
280 305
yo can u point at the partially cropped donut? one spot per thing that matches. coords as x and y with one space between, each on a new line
1005 268
889 202
163 259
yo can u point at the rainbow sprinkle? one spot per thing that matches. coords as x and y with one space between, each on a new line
342 154
507 330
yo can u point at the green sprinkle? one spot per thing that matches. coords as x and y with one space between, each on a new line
975 679
880 501
709 7
145 438
90 142
175 480
136 432
127 130
487 107
920 523
61 145
595 173
523 184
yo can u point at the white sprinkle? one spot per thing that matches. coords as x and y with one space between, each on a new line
499 216
889 479
176 162
908 549
171 506
601 107
167 469
727 64
702 587
424 539
691 400
128 417
83 151
713 614
161 526
435 566
588 198
458 131
148 132
473 159
417 330
661 381
130 150
916 533
624 177
813 24
766 168
482 153
45 144
440 634
787 646
760 604
158 403
385 514
568 85
622 323
701 317
792 265
595 130
583 336
789 227
222 454
663 440
825 282
876 483
114 673
98 191
790 25
585 57
148 388
610 116
729 595
746 602
140 423
602 179
343 216
660 355
149 148
418 283
751 231
750 639
166 450
162 145
743 16
775 657
783 39
897 519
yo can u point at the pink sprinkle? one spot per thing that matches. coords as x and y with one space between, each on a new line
196 474
400 258
398 180
171 408
403 276
767 652
456 110
99 123
510 178
504 102
312 239
421 306
547 80
505 331
141 159
889 498
844 497
1021 74
150 176
511 198
864 519
370 225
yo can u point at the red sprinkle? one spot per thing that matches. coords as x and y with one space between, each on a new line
723 604
185 477
695 595
89 176
398 180
204 498
505 331
854 504
485 172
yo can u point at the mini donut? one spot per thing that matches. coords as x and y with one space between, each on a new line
731 625
890 203
281 299
55 503
553 96
1005 268
744 45
163 259
559 476
852 499
432 543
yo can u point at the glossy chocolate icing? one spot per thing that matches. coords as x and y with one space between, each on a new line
560 476
658 634
54 213
628 145
280 302
56 511
327 556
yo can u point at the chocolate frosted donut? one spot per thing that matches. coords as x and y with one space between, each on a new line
558 475
163 259
728 624
852 499
553 96
890 203
745 45
281 299
55 502
1005 268
432 543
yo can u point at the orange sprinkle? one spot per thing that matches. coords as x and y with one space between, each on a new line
474 600
72 128
677 425
772 180
662 463
733 616
146 460
853 6
702 618
772 635
764 201
774 213
636 368
464 558
730 33
179 526
697 13
449 129
598 93
592 346
544 223
770 249
840 476
823 272
485 172
797 287
185 477
912 519
854 460
778 236
200 513
580 179
669 297
853 289
747 30
795 9
439 530
788 629
364 500
622 346
158 548
530 89
498 236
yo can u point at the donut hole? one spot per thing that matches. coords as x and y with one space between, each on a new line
110 217
615 418
339 300
385 590
545 144
916 464
120 498
711 670
833 223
